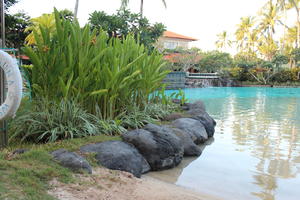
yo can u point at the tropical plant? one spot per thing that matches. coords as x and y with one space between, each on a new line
51 121
101 74
159 111
223 41
269 18
244 31
180 95
295 4
46 21
136 118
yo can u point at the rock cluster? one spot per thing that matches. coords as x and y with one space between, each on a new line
154 147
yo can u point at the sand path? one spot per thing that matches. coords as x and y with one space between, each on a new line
107 184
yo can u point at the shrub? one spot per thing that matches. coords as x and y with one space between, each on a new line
51 121
136 118
286 75
232 72
214 61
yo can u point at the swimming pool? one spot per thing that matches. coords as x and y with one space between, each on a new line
256 149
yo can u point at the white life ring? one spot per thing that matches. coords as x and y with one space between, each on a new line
14 84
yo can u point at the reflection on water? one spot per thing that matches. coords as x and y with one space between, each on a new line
256 152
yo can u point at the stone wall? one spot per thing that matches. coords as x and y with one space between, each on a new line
175 80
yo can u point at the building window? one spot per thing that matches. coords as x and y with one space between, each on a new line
170 45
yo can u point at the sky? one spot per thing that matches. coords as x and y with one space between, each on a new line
201 19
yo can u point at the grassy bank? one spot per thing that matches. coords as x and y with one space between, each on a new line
26 176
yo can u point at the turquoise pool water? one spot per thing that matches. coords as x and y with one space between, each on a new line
256 149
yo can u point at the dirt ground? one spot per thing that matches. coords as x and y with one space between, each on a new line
106 184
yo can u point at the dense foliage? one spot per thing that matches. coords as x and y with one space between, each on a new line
15 29
123 23
15 24
213 61
103 75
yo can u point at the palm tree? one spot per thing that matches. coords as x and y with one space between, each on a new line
124 4
267 47
294 4
76 9
243 31
223 40
282 4
252 40
269 18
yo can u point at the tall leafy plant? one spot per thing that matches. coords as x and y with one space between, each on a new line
103 75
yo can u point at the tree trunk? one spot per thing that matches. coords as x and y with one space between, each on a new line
284 30
142 8
76 8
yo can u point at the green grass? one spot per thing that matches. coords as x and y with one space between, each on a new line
26 176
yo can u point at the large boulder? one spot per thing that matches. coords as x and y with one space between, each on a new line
190 148
173 116
196 106
193 127
71 160
118 155
159 145
197 111
208 122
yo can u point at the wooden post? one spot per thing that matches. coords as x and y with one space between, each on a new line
3 131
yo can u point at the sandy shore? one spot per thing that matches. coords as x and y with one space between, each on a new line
107 184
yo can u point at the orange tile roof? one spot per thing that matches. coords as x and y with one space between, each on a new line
171 34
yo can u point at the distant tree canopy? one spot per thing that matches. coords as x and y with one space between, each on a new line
9 3
15 29
124 23
67 14
213 61
15 24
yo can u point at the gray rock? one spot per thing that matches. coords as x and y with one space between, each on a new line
20 151
159 145
173 116
197 111
190 148
208 122
198 105
118 155
71 160
193 127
